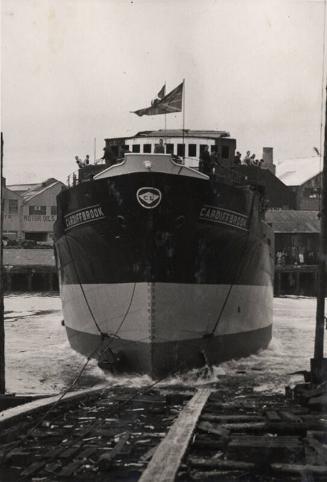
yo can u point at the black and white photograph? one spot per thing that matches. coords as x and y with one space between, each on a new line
163 241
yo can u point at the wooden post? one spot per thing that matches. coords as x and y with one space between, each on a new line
297 283
29 281
317 363
2 329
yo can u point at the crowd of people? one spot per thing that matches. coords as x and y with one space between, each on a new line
295 255
210 161
81 163
248 160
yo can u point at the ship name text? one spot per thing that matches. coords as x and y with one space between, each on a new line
82 216
223 216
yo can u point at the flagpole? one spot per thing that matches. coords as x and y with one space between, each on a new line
184 116
165 127
2 329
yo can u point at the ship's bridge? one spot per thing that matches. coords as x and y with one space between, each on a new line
187 144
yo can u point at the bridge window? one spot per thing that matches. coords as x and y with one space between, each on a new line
202 148
147 148
192 150
225 152
169 148
181 150
136 148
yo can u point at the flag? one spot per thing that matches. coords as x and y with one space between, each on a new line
168 104
162 92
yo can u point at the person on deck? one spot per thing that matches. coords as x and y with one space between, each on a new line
237 159
79 162
205 164
159 147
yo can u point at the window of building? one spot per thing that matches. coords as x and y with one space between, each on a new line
136 148
181 150
53 210
13 206
192 150
214 148
37 210
147 148
170 148
36 236
225 152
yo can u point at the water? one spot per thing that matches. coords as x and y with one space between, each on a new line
40 360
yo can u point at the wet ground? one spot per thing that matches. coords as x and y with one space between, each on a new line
247 430
40 360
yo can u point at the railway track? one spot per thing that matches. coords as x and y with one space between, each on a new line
220 432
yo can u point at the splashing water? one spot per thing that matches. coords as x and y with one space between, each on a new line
40 360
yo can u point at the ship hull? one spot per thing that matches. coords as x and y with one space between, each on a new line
169 287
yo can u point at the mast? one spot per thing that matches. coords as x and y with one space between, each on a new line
319 363
2 331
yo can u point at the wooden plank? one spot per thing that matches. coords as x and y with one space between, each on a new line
287 415
9 416
272 416
106 460
166 460
214 429
244 427
219 464
299 469
231 418
319 448
74 466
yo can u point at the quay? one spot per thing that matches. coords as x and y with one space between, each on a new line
29 269
224 431
34 269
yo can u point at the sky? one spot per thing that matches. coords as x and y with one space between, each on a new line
72 70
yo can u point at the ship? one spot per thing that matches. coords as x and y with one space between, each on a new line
163 268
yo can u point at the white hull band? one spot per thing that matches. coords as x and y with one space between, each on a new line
155 327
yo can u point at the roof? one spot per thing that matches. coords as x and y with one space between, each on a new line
20 188
295 172
28 191
290 221
178 133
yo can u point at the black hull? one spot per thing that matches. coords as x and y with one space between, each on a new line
160 359
192 275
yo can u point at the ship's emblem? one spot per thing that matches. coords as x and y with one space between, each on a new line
148 197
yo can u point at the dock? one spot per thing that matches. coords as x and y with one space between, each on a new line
224 431
31 269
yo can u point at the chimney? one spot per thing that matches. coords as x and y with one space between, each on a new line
268 159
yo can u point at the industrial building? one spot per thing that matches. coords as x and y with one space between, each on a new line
30 211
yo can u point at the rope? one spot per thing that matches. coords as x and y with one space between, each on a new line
54 404
237 272
82 289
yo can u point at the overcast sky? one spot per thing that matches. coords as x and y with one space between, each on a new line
73 70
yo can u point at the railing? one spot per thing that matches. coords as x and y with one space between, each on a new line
84 174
